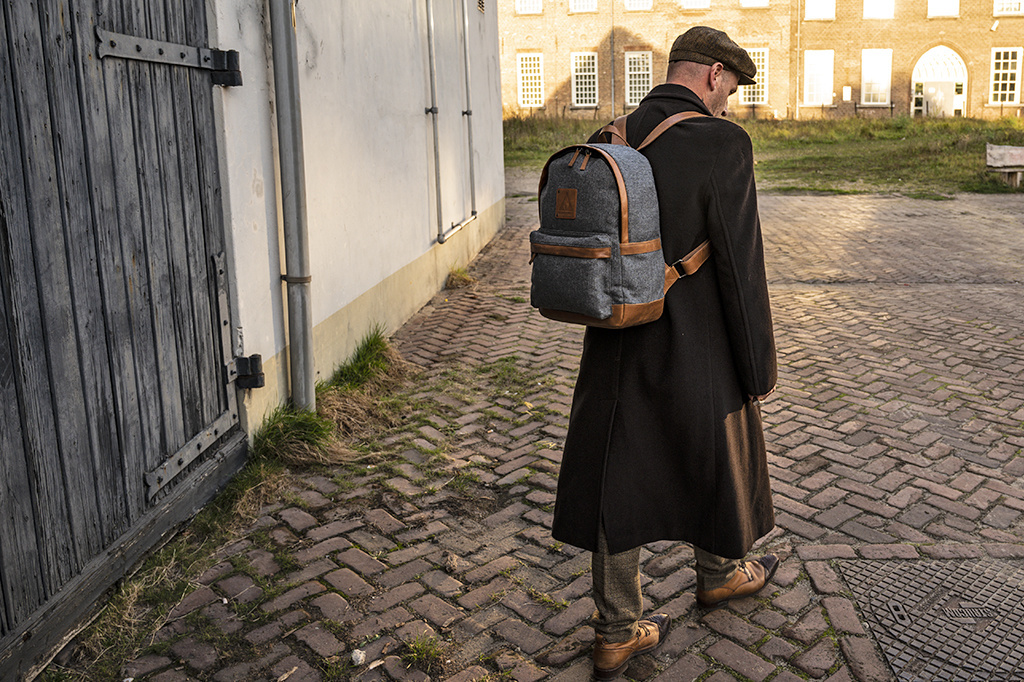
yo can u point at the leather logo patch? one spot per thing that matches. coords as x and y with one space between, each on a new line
565 203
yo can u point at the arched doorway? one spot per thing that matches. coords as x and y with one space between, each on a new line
940 83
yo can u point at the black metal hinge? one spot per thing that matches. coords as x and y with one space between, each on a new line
223 64
247 372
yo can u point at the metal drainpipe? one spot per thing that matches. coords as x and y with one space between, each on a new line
441 238
293 203
432 110
468 113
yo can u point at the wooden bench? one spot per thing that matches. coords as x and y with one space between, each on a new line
1006 160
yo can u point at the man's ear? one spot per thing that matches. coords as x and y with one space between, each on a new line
714 76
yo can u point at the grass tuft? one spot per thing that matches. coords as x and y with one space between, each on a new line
459 278
426 653
375 362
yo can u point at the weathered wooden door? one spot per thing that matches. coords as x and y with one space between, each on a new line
118 412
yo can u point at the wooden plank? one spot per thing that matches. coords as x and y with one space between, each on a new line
30 647
206 335
38 318
207 143
138 349
111 271
21 583
177 180
165 375
97 491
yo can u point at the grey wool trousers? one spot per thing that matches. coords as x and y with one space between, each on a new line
617 595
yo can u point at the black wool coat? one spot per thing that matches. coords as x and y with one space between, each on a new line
665 439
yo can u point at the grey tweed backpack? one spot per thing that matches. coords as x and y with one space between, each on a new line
597 257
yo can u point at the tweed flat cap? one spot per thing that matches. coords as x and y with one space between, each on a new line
706 45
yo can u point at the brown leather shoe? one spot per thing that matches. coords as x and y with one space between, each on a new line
612 658
749 578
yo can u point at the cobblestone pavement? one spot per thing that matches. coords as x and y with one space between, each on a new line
896 433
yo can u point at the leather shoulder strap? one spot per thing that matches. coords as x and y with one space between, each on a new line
616 131
668 123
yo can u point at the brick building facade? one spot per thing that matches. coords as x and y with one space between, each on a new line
816 58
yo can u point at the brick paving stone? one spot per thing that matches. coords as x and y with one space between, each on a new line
808 628
817 660
404 573
773 620
482 595
321 549
810 552
374 624
292 596
739 659
843 615
296 518
442 583
198 655
294 669
727 624
414 630
262 562
360 561
319 639
776 647
490 570
823 578
673 584
395 596
317 568
346 581
472 674
577 612
437 611
240 588
145 665
191 602
335 607
793 601
223 618
527 638
865 662
890 551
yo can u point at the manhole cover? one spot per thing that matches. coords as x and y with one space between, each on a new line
944 621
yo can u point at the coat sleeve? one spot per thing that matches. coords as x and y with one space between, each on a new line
735 232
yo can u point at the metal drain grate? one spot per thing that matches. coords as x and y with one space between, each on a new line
944 621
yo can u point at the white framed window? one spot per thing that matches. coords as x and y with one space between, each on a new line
582 5
531 79
638 76
820 9
695 4
758 93
584 79
875 76
879 9
1000 7
529 6
639 4
1005 75
818 70
943 8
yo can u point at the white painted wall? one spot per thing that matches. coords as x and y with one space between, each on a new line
370 167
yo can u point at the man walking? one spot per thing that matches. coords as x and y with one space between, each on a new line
665 439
